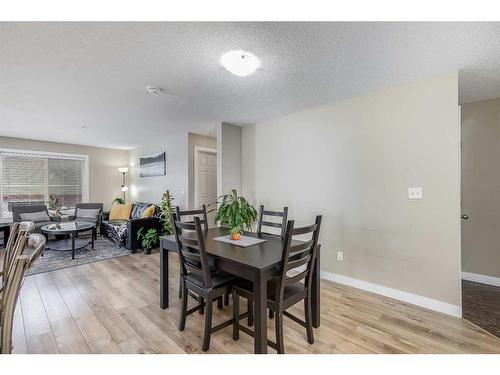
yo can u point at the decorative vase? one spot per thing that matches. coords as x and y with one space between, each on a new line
235 236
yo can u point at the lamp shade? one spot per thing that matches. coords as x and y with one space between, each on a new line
123 169
124 188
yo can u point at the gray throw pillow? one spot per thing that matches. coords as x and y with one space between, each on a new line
36 217
87 214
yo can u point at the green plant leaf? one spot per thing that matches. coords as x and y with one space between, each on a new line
236 212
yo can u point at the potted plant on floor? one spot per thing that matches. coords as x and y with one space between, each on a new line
236 212
149 240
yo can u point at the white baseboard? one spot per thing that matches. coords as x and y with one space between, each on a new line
415 299
483 279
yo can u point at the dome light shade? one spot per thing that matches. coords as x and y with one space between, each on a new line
123 169
240 63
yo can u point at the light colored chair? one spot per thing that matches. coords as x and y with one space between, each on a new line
15 246
8 303
13 280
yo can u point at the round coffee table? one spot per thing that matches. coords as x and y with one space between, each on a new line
71 228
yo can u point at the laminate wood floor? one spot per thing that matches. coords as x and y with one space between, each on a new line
481 305
112 307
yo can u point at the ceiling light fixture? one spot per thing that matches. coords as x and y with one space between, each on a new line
240 63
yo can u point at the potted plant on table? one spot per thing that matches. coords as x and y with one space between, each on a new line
55 206
236 212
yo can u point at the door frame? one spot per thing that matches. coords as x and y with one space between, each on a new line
197 150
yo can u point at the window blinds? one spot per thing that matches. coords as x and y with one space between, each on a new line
31 177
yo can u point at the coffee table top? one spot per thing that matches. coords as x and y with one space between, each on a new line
67 227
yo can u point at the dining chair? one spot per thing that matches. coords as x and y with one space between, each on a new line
12 285
201 213
264 223
198 277
282 226
292 286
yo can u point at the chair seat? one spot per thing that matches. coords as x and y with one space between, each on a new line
219 279
292 291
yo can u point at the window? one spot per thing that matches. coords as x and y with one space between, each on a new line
32 177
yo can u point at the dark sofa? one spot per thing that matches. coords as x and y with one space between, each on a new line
124 232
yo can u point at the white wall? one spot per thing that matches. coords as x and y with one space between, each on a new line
352 162
150 189
229 158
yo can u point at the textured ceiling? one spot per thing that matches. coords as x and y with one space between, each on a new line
56 78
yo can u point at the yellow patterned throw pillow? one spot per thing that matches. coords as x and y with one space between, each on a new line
148 212
120 212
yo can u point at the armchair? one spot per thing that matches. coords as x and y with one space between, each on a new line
18 210
88 206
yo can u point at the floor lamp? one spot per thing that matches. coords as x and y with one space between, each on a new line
124 170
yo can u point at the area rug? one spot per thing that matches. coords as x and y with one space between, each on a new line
54 260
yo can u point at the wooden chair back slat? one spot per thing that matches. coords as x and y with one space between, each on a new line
9 246
188 241
275 213
301 246
271 224
18 230
16 252
201 214
297 263
191 255
295 278
264 223
192 252
304 230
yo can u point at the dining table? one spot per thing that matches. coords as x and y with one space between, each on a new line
257 263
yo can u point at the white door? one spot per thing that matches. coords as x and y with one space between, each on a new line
206 182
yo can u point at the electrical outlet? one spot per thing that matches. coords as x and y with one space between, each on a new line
340 255
415 193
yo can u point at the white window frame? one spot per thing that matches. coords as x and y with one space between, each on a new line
42 154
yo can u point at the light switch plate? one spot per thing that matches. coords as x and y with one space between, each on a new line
415 193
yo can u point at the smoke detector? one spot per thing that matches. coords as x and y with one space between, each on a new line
153 90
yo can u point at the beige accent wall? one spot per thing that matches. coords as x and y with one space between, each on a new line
196 140
353 162
481 187
104 178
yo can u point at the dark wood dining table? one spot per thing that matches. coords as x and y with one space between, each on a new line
257 263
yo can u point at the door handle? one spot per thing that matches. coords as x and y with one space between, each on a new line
465 217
